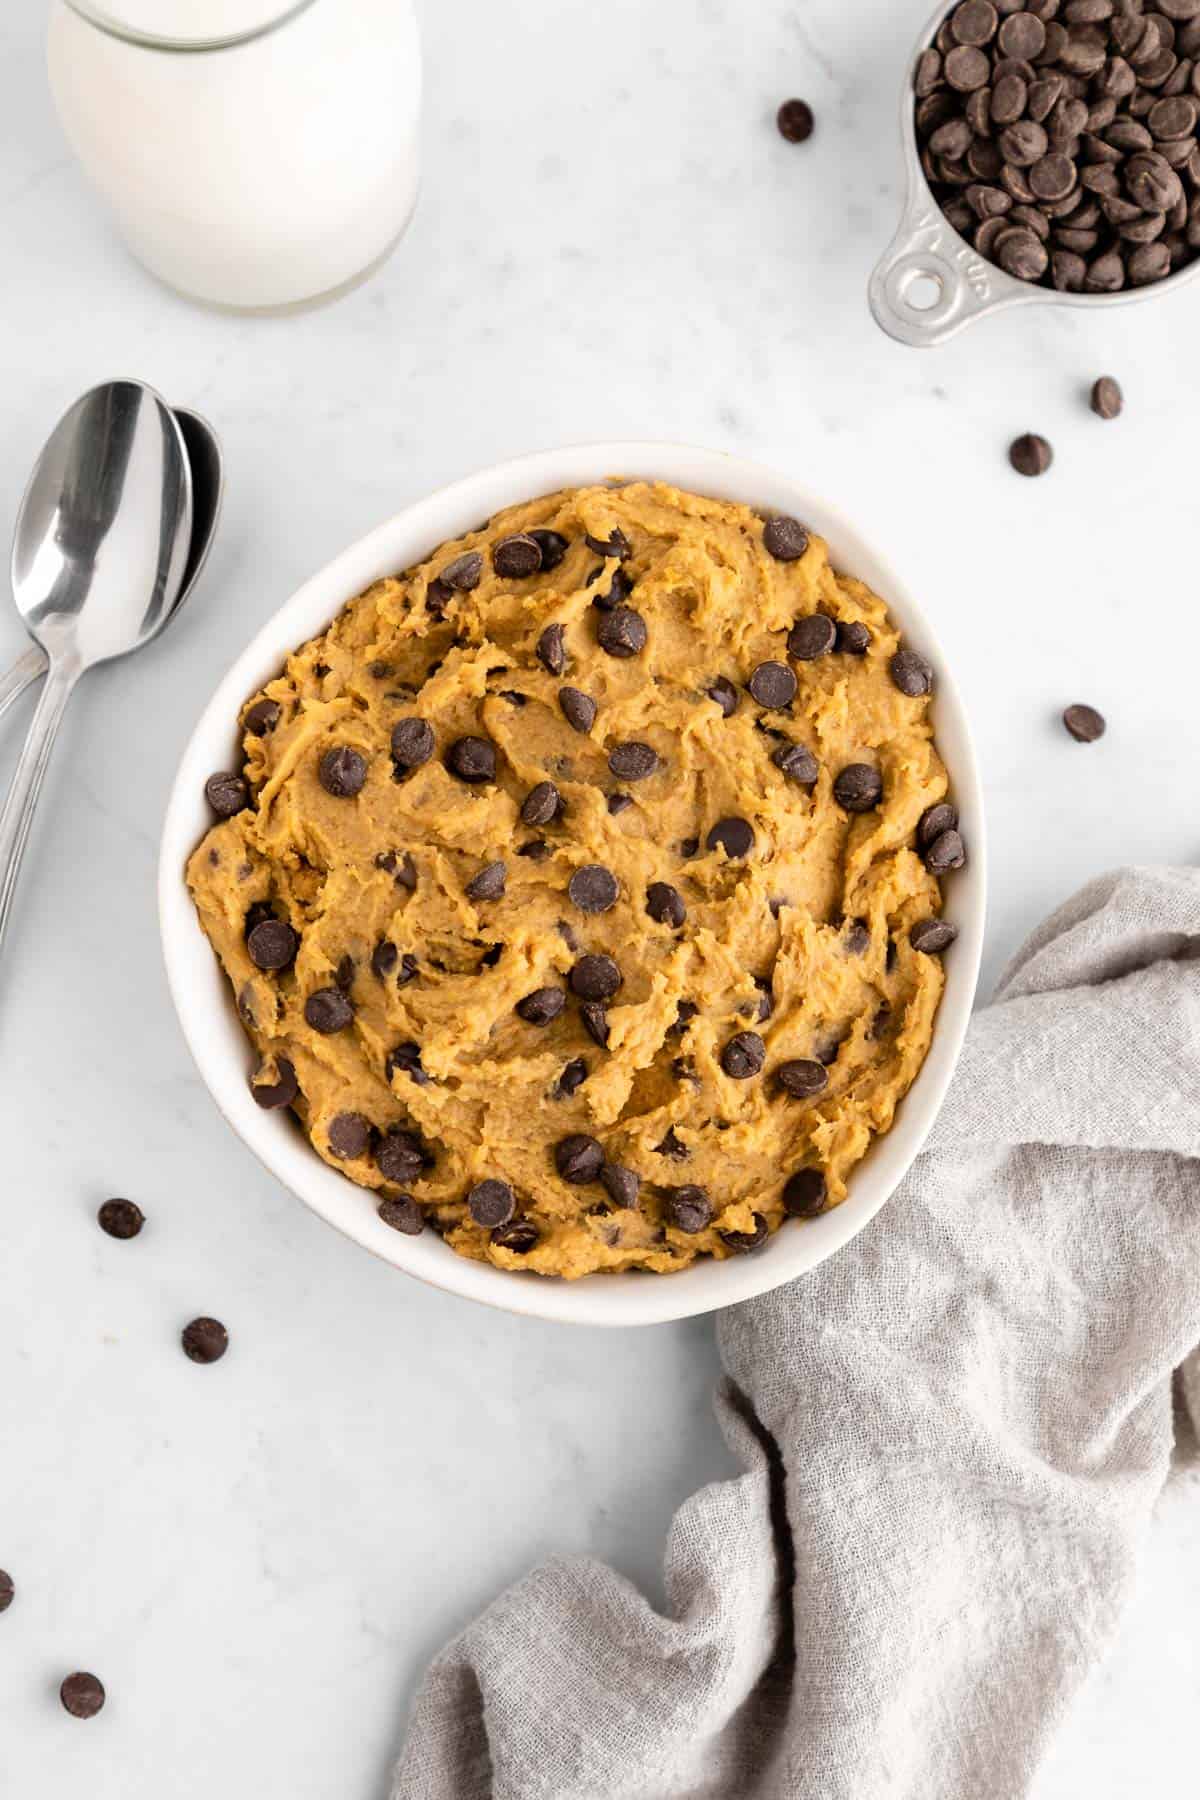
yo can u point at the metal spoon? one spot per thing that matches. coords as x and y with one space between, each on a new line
204 456
99 556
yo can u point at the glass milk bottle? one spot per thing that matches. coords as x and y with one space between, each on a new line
254 153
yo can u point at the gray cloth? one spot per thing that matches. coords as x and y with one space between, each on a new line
953 1435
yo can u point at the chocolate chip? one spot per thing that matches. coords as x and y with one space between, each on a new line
743 1243
491 1203
689 1209
405 1059
797 763
403 1214
595 1022
725 695
82 1694
859 788
328 1010
541 804
553 547
1085 724
272 945
283 1091
227 794
350 1136
734 836
464 572
542 1006
766 998
812 637
6 1590
262 718
933 822
520 1236
744 1056
578 1158
595 977
489 884
573 1076
438 596
621 1185
622 632
673 1146
400 867
688 847
932 936
400 1157
1030 454
515 558
472 759
853 638
579 709
802 1078
664 904
974 22
619 588
593 889
795 121
204 1340
785 538
120 1219
632 761
384 959
945 853
858 938
616 544
537 850
967 68
552 649
619 803
412 742
804 1194
342 772
773 685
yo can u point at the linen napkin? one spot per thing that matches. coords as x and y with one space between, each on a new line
953 1434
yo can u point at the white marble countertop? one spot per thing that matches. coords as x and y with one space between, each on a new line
258 1558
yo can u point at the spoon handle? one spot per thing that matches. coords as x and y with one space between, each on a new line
22 798
24 671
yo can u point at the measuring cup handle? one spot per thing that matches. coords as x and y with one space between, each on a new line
929 283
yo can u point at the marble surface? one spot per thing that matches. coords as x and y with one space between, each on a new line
259 1557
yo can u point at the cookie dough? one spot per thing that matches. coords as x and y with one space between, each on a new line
567 888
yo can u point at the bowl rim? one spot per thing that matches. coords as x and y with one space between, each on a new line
200 990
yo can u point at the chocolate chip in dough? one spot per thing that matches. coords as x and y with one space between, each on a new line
853 638
621 1185
785 538
773 685
797 763
400 1157
263 717
516 558
932 936
553 546
743 1056
859 788
401 1213
464 572
802 1078
795 121
489 884
812 637
744 1243
272 1096
947 852
349 1136
342 772
204 1340
412 743
725 695
572 1078
632 761
616 544
552 649
541 804
1085 724
595 977
400 867
1030 454
405 1059
227 794
622 632
121 1218
595 1022
491 1203
911 673
688 1209
328 1010
519 1236
579 709
933 821
82 1694
578 1158
542 1006
734 836
1107 399
665 905
804 1194
272 945
593 889
619 803
472 759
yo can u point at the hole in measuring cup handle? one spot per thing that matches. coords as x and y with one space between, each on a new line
930 282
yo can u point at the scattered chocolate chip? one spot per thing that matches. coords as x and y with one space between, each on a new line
227 794
734 836
933 821
6 1590
1085 724
542 1006
472 759
489 884
664 904
572 1078
795 121
578 1158
773 685
520 1236
785 538
204 1341
400 1157
120 1219
349 1136
622 632
743 1243
491 1204
595 1022
932 936
595 977
272 945
621 1185
328 1010
689 1209
725 695
593 889
744 1056
516 558
633 761
804 1194
283 1091
412 743
797 763
83 1694
402 1213
1107 398
945 853
405 1059
262 718
859 788
579 709
553 547
1030 454
342 772
853 638
802 1078
812 637
911 673
552 649
464 572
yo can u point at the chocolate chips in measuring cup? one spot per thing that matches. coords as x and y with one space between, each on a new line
1060 137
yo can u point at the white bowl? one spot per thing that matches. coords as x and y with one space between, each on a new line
205 1004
